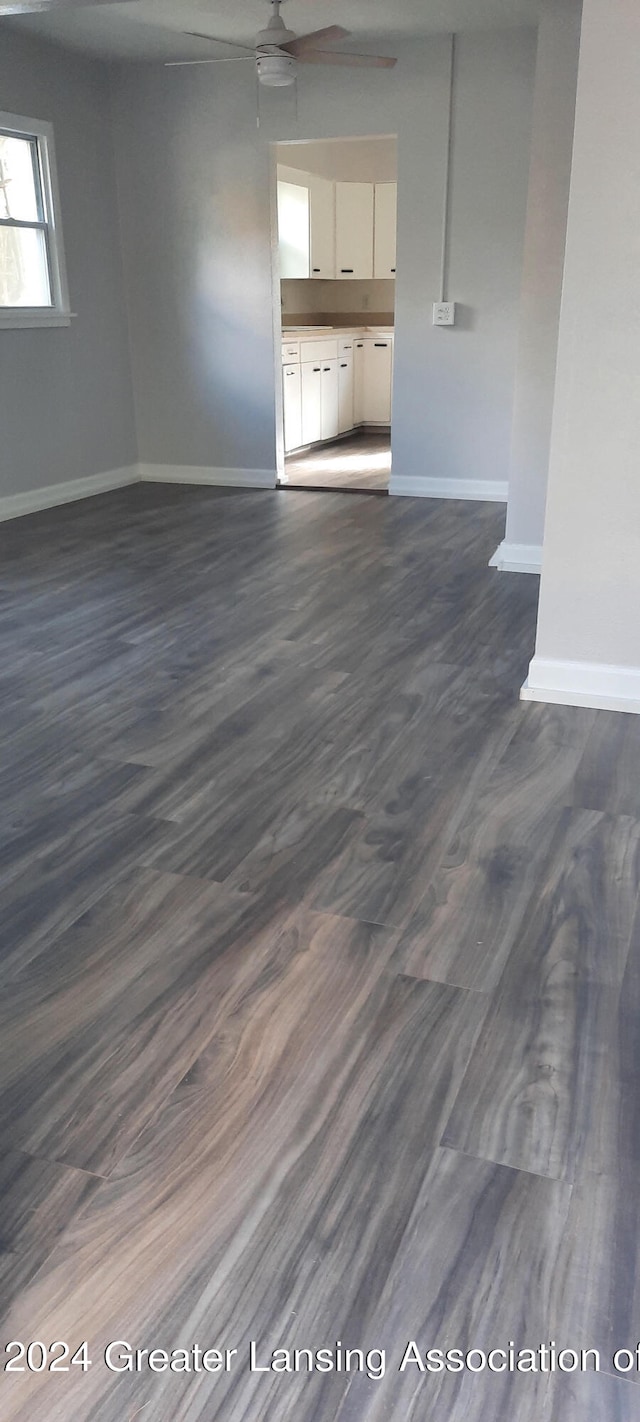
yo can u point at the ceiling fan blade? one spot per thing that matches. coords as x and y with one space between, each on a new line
230 44
35 7
354 61
187 63
330 35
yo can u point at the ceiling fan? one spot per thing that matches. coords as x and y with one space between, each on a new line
278 51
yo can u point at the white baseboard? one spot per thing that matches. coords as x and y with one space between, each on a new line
486 490
15 505
517 558
595 684
203 474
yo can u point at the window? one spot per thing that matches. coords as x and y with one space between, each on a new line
293 229
33 290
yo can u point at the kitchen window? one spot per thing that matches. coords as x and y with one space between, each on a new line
33 288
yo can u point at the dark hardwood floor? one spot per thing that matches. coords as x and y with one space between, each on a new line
321 967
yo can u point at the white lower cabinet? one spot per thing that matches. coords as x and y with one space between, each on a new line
377 382
311 401
345 395
358 382
329 400
327 396
292 402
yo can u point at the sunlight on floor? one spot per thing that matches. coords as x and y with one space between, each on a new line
350 463
361 462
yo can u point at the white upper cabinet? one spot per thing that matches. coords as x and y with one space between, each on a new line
354 231
293 229
322 212
330 230
385 223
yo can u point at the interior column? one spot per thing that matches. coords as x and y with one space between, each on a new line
547 208
588 645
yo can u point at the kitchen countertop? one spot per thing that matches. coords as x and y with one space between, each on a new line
319 333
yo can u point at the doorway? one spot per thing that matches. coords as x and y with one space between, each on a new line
336 269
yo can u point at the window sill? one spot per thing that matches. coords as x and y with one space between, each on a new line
16 318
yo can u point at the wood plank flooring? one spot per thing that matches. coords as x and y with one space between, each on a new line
320 971
361 461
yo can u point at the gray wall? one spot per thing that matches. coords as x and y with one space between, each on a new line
194 190
467 377
66 408
194 195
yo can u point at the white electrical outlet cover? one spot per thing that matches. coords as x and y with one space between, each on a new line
444 313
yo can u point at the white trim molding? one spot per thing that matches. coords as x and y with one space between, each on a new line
485 490
18 318
517 558
15 505
196 474
595 684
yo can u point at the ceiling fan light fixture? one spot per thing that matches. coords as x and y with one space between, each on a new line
275 71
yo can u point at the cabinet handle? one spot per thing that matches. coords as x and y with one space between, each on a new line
327 370
344 365
393 270
359 345
316 269
346 270
316 369
381 345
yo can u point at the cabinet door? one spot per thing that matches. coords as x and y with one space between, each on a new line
322 211
354 231
311 402
293 229
329 416
358 382
378 365
385 223
292 401
345 395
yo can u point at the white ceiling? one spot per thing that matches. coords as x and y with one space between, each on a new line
348 160
152 29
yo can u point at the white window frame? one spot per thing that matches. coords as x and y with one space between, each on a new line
58 314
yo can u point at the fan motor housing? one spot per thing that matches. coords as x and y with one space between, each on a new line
276 68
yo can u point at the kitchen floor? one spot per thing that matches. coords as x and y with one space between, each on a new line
320 995
361 461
